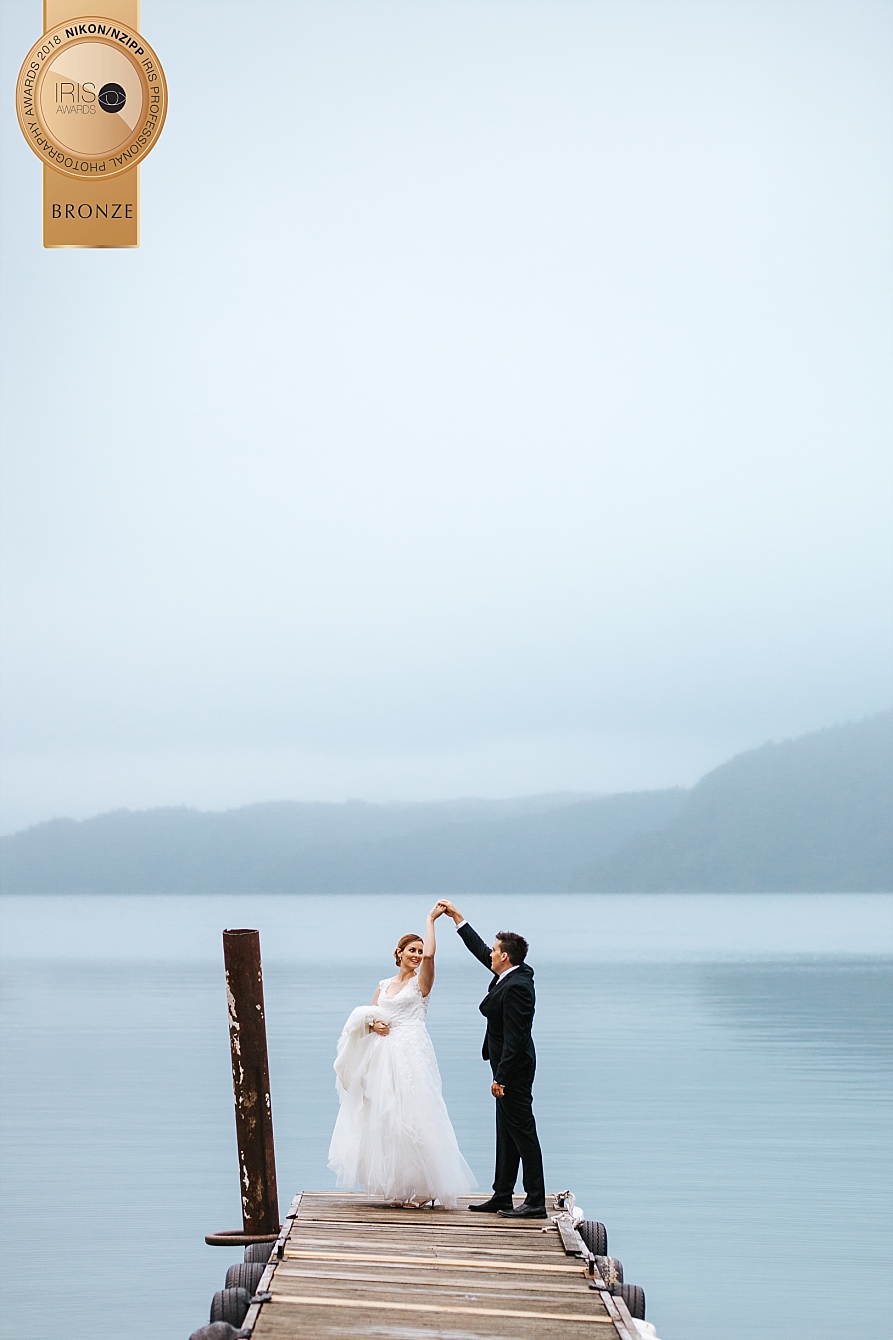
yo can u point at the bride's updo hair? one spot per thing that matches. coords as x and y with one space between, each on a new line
401 945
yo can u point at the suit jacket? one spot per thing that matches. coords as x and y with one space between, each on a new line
508 1008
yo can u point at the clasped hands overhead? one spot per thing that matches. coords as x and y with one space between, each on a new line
443 907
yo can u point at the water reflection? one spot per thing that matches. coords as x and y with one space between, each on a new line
827 1016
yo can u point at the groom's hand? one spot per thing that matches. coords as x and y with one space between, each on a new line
497 1090
450 910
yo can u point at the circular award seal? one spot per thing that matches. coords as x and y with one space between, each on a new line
91 98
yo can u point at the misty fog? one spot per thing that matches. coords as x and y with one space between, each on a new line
498 403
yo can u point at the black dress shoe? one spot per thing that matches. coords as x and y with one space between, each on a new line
495 1205
524 1212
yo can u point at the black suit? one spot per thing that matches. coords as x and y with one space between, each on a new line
508 1008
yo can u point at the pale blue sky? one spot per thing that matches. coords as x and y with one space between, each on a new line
499 403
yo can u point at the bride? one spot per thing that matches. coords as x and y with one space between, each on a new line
393 1136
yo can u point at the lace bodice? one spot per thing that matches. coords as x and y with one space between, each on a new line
409 1006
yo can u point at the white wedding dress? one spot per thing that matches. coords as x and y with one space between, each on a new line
393 1137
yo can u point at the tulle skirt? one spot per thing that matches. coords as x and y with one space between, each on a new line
393 1137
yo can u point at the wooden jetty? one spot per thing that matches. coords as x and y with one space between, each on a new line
344 1266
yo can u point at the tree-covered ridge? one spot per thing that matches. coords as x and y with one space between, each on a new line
812 814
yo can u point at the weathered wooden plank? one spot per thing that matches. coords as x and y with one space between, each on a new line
344 1324
370 1305
434 1247
347 1198
530 1241
356 1207
473 1233
444 1242
625 1317
455 1229
464 1262
450 1219
486 1304
424 1279
433 1270
623 1322
480 1292
401 1213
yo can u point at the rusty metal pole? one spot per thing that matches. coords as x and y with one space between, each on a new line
251 1082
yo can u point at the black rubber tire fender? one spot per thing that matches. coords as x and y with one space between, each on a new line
259 1251
230 1305
595 1235
610 1269
634 1297
245 1275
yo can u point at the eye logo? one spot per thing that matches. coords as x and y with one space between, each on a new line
112 98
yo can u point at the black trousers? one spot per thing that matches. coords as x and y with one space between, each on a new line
517 1144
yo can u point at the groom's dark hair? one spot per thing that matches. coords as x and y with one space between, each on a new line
513 945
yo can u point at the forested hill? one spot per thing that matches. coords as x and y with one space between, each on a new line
289 847
812 814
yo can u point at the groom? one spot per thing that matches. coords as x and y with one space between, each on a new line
508 1008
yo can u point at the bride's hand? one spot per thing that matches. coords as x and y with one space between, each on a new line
381 1028
436 911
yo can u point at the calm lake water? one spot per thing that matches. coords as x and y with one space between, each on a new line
714 1084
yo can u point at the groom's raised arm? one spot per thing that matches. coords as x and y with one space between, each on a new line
473 941
470 937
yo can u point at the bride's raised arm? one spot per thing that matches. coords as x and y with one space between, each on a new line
429 949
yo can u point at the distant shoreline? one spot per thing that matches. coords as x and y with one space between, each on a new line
810 815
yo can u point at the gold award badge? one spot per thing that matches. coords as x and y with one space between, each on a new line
91 100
